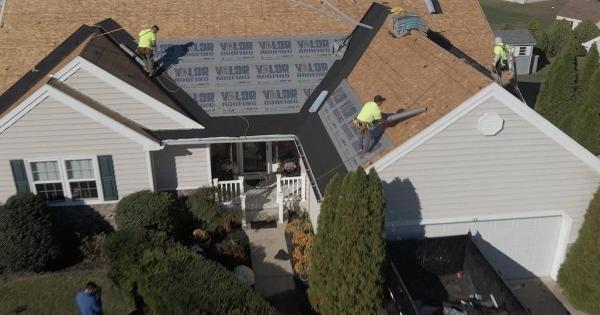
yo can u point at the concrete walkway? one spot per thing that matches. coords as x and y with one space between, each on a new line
274 277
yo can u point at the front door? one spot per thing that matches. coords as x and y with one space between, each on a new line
254 155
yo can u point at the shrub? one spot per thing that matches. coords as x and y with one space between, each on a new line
301 233
349 248
177 281
170 279
146 209
558 34
233 250
91 248
125 248
579 275
27 235
205 206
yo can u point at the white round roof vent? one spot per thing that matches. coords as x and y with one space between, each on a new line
490 124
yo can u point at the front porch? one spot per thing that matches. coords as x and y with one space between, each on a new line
262 179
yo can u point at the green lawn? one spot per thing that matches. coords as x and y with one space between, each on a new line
499 12
54 293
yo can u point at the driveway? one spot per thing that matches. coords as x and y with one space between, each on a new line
542 296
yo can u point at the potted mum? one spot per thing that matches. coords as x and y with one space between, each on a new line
202 238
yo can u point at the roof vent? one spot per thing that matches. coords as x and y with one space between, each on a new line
433 6
404 23
490 124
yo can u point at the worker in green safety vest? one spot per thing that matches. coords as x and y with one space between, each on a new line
501 55
146 44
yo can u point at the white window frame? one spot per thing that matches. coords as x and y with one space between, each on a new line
65 181
69 181
33 182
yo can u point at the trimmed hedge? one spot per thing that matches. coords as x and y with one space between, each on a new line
146 209
27 238
579 275
170 279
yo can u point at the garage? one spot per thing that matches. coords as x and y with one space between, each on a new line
518 246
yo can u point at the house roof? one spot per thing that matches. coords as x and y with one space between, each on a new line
32 28
581 10
516 37
412 71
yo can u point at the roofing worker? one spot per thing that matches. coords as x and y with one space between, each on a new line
501 54
146 44
367 120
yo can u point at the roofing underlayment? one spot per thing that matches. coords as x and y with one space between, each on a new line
412 71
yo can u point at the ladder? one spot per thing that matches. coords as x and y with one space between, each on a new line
309 172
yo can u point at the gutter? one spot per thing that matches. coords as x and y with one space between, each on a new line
213 140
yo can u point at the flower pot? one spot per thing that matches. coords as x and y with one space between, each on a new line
303 278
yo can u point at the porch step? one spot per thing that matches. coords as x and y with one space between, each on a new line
262 214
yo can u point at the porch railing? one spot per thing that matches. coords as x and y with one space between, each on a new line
229 189
291 188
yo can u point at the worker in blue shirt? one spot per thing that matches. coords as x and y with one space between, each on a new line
88 300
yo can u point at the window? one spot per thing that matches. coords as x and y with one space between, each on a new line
81 178
58 180
47 180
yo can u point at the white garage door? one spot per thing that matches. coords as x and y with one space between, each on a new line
517 248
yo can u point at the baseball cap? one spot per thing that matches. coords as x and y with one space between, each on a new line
378 98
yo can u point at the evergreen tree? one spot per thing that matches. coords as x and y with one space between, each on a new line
585 31
590 63
323 289
579 275
587 129
539 34
558 35
351 281
557 94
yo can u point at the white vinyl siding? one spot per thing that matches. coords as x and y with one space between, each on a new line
120 102
182 167
53 131
460 172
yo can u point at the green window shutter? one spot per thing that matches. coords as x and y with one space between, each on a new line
107 177
20 175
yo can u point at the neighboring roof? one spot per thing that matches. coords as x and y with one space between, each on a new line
65 88
516 37
581 10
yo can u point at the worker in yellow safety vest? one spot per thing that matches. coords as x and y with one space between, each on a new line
367 120
501 55
146 44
